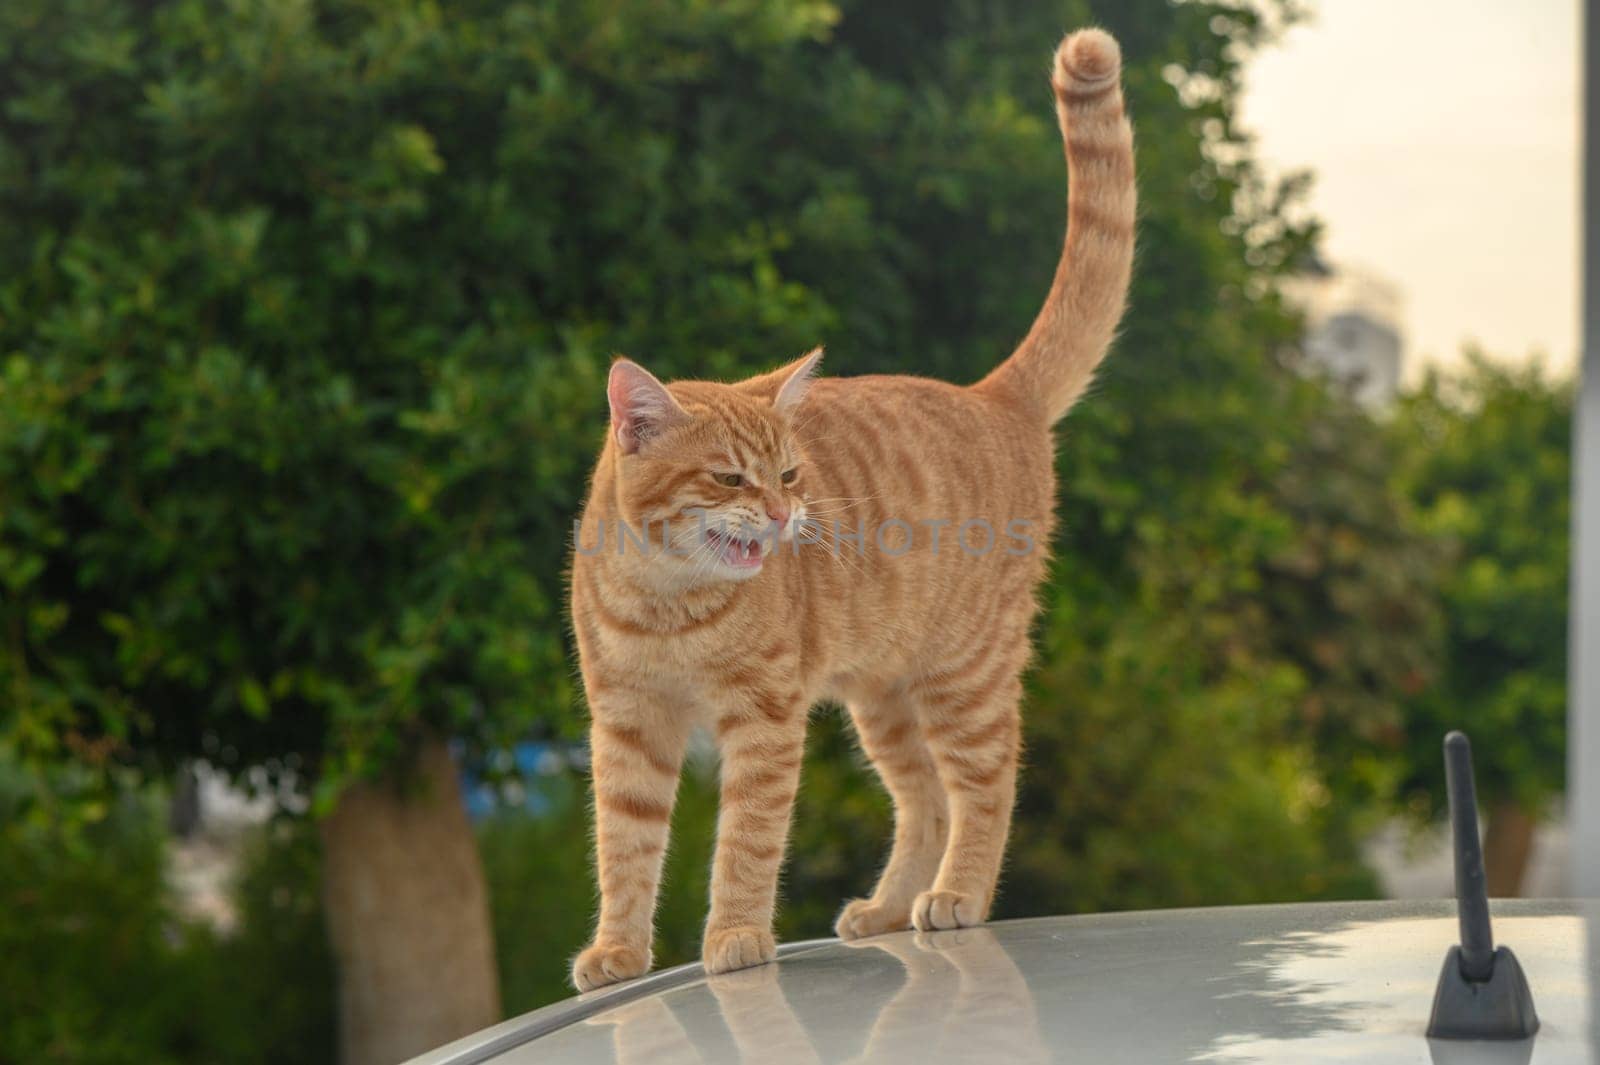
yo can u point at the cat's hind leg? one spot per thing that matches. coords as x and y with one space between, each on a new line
972 727
891 734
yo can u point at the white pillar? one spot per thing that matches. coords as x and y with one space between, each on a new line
1583 661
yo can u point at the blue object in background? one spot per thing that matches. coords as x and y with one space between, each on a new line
525 778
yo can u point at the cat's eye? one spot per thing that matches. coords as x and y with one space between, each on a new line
729 480
790 475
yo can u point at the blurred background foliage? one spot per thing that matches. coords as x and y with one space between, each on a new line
1485 458
99 964
305 309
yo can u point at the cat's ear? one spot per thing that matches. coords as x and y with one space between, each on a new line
797 380
641 406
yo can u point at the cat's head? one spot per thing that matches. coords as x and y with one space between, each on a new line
719 464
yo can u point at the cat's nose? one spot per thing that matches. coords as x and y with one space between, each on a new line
777 512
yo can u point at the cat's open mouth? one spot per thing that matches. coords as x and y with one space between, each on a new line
734 551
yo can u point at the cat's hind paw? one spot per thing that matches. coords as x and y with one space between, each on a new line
608 963
863 917
727 949
937 910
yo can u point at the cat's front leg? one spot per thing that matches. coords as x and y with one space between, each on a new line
636 750
762 739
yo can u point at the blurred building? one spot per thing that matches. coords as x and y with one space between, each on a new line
211 819
1353 329
1414 864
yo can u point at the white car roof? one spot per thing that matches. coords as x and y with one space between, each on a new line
1329 982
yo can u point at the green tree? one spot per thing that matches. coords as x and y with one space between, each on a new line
1487 461
100 966
83 924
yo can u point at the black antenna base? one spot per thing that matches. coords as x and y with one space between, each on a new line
1482 992
1500 1007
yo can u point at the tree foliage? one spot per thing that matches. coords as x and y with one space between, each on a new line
100 966
1488 464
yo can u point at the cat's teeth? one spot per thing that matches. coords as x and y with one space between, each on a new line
736 550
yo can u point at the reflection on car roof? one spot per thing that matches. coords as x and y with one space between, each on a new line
1320 982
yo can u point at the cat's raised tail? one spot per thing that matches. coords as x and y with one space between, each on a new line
1053 365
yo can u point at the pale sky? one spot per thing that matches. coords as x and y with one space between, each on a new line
1445 140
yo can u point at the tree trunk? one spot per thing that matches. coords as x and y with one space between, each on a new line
408 913
1507 845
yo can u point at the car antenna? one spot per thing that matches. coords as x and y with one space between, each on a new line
1482 992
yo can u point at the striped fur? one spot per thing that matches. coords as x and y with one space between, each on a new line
924 643
1057 359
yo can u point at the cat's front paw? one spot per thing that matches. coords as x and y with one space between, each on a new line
936 910
863 917
727 949
608 963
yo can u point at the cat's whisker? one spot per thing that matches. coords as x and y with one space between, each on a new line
852 500
835 548
826 512
837 504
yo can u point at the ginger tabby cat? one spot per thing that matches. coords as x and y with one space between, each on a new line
822 542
